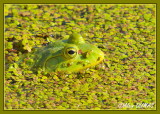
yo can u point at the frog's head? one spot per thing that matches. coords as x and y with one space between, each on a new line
79 55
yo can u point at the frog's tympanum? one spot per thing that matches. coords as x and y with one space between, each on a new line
70 55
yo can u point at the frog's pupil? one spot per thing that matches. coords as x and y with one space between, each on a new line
71 52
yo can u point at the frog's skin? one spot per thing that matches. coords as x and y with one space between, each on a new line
66 55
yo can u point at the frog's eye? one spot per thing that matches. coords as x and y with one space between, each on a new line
70 52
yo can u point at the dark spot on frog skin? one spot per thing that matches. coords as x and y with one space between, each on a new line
86 54
84 64
99 58
80 62
69 64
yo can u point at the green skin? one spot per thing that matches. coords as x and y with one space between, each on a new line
66 55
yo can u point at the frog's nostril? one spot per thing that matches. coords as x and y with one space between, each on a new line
100 58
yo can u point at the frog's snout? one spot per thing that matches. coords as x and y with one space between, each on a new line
96 56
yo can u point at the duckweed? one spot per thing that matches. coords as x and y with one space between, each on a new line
124 80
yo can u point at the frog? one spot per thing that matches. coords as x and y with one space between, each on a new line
69 55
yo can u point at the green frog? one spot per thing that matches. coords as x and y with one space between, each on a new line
70 55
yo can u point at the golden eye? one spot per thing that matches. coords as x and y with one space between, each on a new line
70 52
